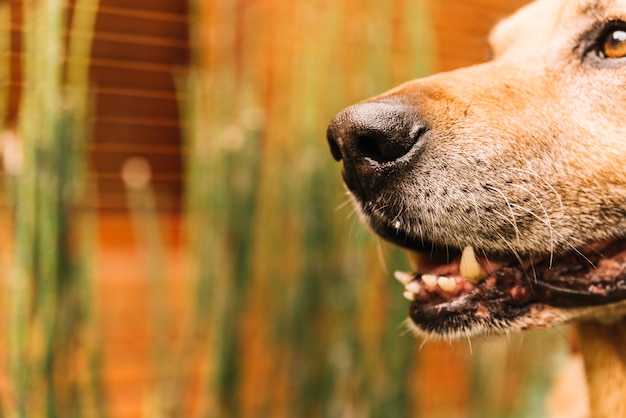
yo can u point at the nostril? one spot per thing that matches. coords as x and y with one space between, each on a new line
384 146
373 146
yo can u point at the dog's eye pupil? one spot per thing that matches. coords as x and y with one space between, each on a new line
614 45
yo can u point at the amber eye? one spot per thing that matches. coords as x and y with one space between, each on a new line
614 44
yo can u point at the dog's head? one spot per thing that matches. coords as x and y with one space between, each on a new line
506 180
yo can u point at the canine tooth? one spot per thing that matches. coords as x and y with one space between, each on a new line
413 287
409 295
470 267
429 280
403 277
447 284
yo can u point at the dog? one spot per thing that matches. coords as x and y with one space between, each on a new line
506 182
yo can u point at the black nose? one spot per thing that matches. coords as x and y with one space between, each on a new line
380 131
372 138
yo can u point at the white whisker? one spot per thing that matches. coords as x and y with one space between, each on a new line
546 222
514 222
380 252
343 205
546 182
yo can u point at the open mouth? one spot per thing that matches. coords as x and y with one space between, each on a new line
454 290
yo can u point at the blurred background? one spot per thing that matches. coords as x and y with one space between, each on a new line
175 240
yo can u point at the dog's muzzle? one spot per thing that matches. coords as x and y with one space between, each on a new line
375 140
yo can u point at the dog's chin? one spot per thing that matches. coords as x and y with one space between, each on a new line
462 292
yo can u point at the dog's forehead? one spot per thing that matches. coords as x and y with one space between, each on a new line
599 9
545 20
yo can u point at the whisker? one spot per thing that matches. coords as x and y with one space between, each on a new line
506 219
546 182
486 258
514 222
561 333
565 240
547 220
343 205
562 209
380 252
532 266
423 344
516 254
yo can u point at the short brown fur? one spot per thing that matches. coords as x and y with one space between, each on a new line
603 349
537 139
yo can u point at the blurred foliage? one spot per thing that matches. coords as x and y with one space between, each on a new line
292 309
301 315
52 338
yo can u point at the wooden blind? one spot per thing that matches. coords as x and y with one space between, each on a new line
139 48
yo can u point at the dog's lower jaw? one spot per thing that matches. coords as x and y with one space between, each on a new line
538 316
604 351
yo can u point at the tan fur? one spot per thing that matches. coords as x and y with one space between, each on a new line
530 147
589 121
604 350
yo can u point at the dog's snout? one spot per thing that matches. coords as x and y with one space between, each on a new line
378 131
372 138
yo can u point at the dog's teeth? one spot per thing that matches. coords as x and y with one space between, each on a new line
409 295
447 284
470 267
413 287
429 280
403 277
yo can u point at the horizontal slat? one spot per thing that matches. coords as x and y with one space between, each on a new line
134 148
166 200
113 46
132 120
122 51
112 105
109 188
111 131
169 10
113 162
173 7
156 177
139 47
120 92
121 32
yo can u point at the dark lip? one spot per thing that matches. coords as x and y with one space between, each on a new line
402 239
510 292
424 245
567 281
593 275
571 281
489 307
